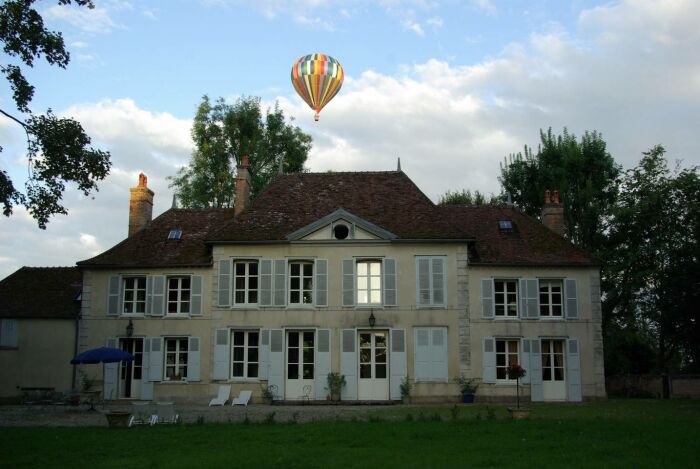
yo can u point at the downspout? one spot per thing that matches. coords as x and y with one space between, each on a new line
75 350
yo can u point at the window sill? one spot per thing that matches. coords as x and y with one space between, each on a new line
133 315
506 318
248 306
176 316
431 306
182 381
244 380
550 318
301 307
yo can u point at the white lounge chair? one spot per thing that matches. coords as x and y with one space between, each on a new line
223 397
141 413
243 398
165 413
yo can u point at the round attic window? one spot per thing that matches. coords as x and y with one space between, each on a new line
340 231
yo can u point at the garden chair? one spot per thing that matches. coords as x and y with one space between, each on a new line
223 397
306 394
141 413
165 413
243 398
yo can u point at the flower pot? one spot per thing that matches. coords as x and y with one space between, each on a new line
117 419
519 414
468 398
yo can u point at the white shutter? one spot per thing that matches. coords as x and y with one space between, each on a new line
389 270
224 282
322 363
266 282
529 299
193 358
488 360
438 281
158 301
146 385
535 371
573 369
264 354
487 298
8 333
421 353
348 364
222 354
155 369
111 374
422 281
321 282
397 362
149 295
276 356
348 282
438 354
280 291
196 295
114 296
525 360
571 296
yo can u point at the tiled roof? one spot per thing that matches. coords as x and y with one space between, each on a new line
388 199
151 247
41 293
529 243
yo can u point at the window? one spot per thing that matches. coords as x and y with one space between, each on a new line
430 353
8 333
245 282
553 360
369 282
300 355
551 298
245 361
175 234
430 272
176 352
506 354
301 283
134 295
505 225
506 298
179 295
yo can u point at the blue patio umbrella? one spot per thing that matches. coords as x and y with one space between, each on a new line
103 355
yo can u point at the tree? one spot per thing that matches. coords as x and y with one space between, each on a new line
222 134
465 197
58 149
583 172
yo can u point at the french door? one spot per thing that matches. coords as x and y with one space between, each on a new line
553 370
300 365
130 373
373 383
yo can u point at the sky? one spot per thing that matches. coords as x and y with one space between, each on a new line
450 87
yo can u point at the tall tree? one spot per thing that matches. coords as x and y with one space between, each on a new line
222 134
584 173
58 150
465 197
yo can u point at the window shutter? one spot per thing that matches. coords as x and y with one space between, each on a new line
535 371
158 306
529 299
421 353
573 369
222 354
487 298
348 282
146 385
266 282
438 280
390 282
488 360
321 283
525 359
225 282
196 296
155 366
397 362
422 281
8 333
348 364
322 363
571 296
114 295
438 354
193 354
280 295
276 375
111 373
264 351
149 295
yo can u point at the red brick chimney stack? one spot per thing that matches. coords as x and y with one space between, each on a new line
140 205
553 213
242 186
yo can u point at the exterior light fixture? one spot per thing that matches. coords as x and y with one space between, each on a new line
372 319
130 328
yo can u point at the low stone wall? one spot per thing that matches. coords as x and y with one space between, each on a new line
680 386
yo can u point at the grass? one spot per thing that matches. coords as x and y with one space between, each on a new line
635 433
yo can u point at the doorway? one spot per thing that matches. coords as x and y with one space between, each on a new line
130 373
553 370
299 383
373 383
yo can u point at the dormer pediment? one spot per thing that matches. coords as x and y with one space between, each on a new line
340 225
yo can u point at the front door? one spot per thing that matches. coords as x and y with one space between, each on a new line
130 373
299 383
553 370
373 384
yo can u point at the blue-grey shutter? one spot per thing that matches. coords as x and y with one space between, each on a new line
348 364
266 282
264 354
322 363
276 356
488 360
111 374
193 358
390 282
321 282
397 362
114 295
422 281
146 385
421 353
155 367
348 282
158 306
8 333
529 299
196 296
525 360
438 354
487 298
222 355
149 295
438 281
536 371
573 370
571 296
224 282
280 291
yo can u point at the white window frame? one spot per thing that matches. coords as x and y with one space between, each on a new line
431 303
135 290
507 354
369 276
550 304
179 291
505 302
301 290
246 348
246 288
177 352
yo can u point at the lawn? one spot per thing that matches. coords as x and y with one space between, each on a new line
619 433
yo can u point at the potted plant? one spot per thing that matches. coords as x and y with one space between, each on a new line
515 371
267 394
405 388
467 387
336 382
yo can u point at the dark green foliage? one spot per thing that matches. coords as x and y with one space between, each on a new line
465 197
223 133
58 149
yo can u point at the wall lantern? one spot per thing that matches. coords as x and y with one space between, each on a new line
130 328
372 319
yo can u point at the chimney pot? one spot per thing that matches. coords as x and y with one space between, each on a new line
547 199
553 214
140 205
556 197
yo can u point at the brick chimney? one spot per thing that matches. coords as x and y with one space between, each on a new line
242 186
140 206
553 213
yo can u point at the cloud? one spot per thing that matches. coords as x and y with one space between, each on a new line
95 20
410 25
314 23
436 22
486 6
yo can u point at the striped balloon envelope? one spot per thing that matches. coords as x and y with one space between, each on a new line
317 78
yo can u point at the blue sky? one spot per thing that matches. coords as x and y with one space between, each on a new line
451 87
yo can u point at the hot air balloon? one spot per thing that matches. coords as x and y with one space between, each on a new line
317 78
